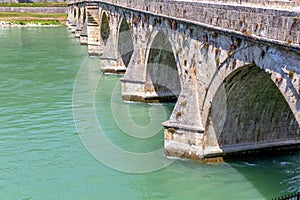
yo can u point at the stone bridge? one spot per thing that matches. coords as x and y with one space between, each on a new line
231 66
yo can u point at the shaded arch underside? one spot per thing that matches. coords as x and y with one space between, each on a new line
248 108
79 13
84 14
125 42
105 29
162 78
74 13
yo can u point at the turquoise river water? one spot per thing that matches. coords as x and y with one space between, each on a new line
42 156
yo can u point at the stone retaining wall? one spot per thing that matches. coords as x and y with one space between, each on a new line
42 1
29 1
34 9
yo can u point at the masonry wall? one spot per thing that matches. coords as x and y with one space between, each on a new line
276 20
34 9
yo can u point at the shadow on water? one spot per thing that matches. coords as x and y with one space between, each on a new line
272 176
256 112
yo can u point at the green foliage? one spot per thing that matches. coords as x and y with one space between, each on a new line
42 22
37 15
218 61
178 114
33 18
21 23
217 52
171 130
291 73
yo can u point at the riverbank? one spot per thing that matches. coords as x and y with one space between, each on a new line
4 24
32 14
54 10
18 19
36 4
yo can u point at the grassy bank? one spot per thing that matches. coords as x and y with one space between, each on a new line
33 18
33 4
41 22
36 15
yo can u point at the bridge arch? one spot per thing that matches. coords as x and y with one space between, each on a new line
104 27
252 109
125 41
79 13
282 66
84 15
253 103
162 76
74 12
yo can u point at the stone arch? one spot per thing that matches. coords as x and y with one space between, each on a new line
105 29
251 110
125 41
162 77
265 100
74 12
79 13
84 14
277 62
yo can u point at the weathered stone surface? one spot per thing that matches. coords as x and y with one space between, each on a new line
95 43
253 16
34 9
234 70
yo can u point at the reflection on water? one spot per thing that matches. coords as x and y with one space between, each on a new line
42 157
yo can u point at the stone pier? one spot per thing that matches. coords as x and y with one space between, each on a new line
232 67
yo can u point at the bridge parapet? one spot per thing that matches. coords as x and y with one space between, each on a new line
280 4
288 4
275 20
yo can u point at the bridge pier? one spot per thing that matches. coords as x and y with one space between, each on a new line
80 22
236 86
184 131
84 34
95 43
70 16
152 73
111 60
74 22
133 82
